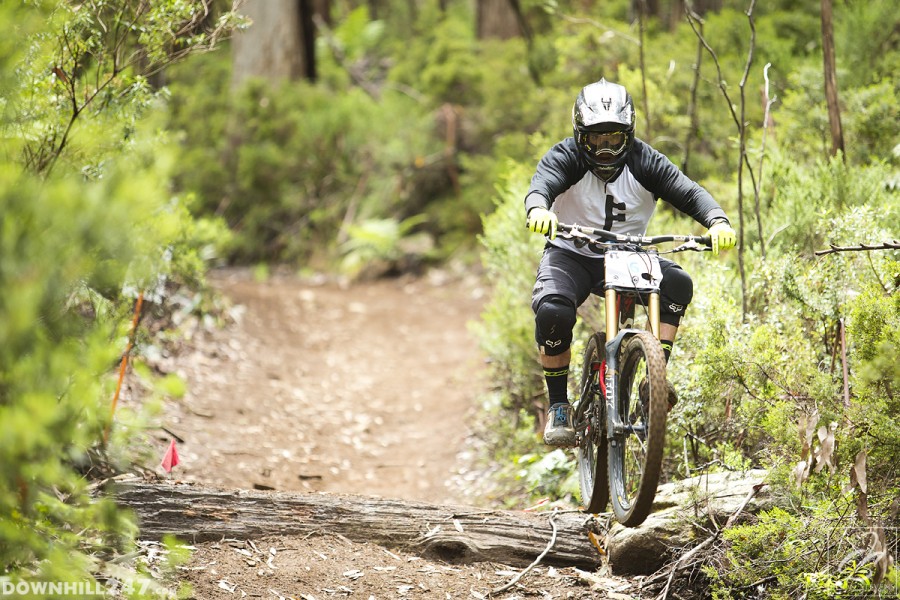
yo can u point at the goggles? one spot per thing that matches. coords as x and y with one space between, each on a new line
607 140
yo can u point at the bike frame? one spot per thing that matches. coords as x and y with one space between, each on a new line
617 329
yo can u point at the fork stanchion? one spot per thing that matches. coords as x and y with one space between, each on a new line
612 321
654 314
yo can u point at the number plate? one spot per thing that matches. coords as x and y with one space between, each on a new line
634 270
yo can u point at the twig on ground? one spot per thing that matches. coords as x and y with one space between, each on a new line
540 557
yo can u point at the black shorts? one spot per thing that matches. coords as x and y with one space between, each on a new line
573 276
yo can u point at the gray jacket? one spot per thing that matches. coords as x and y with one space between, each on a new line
564 183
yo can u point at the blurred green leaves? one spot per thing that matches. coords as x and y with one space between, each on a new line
88 220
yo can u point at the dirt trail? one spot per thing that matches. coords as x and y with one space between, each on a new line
366 389
361 389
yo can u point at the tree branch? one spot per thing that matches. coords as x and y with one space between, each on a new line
892 245
514 580
743 160
692 107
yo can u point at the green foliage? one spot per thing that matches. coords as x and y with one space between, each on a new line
809 211
506 330
290 165
783 555
871 121
55 361
549 473
89 221
874 329
443 64
384 242
866 40
94 61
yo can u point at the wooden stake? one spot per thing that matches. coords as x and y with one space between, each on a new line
132 334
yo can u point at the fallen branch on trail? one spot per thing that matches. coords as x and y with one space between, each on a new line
450 533
515 580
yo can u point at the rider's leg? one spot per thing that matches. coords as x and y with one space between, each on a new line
564 281
554 320
675 293
667 333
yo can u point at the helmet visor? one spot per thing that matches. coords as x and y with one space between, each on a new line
604 146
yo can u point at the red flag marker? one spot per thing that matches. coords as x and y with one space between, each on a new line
171 457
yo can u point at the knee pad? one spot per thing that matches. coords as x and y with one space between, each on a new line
554 320
675 293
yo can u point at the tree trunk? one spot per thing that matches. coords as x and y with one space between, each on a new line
831 91
642 6
373 9
693 117
308 38
322 8
497 19
449 533
649 8
676 10
272 47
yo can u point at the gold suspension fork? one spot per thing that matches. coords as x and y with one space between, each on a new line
654 314
612 317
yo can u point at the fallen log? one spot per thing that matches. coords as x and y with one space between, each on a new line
453 534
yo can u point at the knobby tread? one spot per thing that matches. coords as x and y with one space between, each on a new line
593 476
644 344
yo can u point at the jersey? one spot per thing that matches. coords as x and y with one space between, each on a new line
564 184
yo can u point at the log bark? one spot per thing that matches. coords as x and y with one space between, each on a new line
453 534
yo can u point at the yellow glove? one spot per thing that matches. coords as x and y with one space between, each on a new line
723 237
541 220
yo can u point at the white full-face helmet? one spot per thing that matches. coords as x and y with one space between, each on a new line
603 122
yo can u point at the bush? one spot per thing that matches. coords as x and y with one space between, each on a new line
291 166
782 555
506 331
57 353
88 220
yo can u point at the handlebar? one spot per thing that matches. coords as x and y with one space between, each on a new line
691 242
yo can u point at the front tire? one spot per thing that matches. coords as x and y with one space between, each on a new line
636 449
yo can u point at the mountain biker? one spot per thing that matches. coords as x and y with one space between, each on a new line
603 177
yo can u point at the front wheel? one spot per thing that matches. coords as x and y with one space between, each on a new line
639 424
590 423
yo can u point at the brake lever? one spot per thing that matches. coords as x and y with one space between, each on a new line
578 238
691 245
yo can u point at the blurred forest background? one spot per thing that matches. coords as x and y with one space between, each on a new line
145 142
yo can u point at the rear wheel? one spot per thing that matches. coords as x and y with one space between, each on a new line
636 449
590 423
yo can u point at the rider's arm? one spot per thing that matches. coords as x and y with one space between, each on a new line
559 169
666 181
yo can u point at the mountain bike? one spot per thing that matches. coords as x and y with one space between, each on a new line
620 427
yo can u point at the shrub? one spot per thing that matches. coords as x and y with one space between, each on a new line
56 355
88 220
